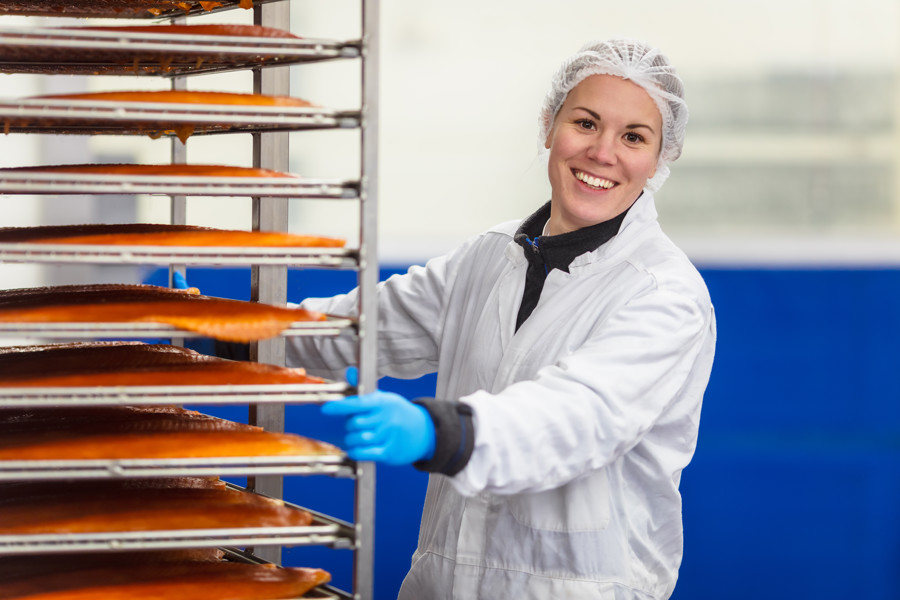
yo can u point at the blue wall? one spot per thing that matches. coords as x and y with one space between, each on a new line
795 488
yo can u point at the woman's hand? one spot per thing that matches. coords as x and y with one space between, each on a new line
383 426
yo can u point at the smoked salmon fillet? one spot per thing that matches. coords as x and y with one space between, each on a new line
144 234
21 567
182 97
230 320
109 577
94 364
108 506
230 30
164 126
109 8
165 170
122 432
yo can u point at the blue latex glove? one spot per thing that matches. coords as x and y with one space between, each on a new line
383 426
178 281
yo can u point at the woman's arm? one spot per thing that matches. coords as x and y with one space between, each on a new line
652 358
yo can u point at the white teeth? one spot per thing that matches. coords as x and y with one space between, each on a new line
594 181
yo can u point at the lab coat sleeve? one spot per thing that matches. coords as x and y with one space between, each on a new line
410 308
596 403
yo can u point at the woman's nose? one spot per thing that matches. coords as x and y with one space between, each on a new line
602 150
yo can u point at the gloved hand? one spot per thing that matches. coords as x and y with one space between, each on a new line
384 427
178 281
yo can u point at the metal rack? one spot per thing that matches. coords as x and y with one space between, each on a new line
44 51
93 117
331 326
15 470
89 52
124 9
25 182
216 395
323 531
221 255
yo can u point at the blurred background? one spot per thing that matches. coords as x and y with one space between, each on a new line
787 197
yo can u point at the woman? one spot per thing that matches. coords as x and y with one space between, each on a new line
572 351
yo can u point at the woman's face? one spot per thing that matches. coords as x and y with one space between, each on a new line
603 146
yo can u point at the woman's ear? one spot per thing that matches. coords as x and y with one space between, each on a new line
549 137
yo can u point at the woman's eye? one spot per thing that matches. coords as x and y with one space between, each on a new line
634 138
585 124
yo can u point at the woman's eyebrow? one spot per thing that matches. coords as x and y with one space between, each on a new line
630 126
638 126
588 111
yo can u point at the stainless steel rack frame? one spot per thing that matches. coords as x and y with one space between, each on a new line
322 534
152 395
88 51
324 530
105 117
332 326
14 181
269 126
220 255
16 470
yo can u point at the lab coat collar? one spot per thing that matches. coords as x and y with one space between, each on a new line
641 215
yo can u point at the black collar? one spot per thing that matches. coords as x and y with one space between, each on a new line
558 251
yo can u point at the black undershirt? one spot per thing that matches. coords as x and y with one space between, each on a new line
546 252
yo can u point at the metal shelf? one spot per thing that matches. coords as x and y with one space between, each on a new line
28 182
331 326
322 592
50 51
19 470
326 531
98 117
117 9
207 395
164 119
220 255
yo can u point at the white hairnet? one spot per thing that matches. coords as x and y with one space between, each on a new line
638 62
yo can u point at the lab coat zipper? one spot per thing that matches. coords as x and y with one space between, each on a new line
536 249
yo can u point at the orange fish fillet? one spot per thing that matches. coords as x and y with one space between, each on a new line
182 97
100 8
143 234
94 364
109 506
169 170
231 320
178 444
140 432
230 30
15 568
108 578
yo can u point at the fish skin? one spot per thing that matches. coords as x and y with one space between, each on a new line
95 364
105 509
154 579
221 318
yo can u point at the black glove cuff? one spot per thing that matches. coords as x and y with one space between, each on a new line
454 436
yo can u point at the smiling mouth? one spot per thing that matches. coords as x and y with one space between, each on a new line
597 183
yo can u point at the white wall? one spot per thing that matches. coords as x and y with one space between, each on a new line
461 85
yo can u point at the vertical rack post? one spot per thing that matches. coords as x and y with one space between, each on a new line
178 211
368 279
269 283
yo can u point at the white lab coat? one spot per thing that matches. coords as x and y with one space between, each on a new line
584 418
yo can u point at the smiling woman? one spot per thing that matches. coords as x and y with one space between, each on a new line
604 146
572 349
